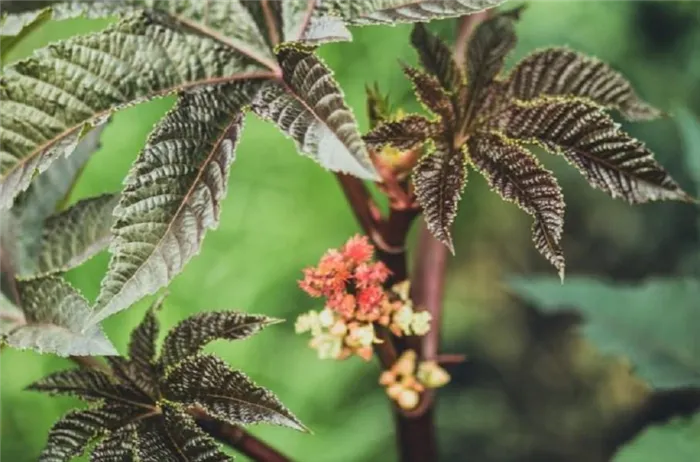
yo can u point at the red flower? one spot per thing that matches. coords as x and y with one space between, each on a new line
343 304
370 299
369 274
358 249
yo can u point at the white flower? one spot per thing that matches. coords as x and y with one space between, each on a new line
420 324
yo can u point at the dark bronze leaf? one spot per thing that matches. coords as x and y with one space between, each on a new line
560 71
225 394
404 134
436 58
117 446
608 157
176 437
439 179
492 41
191 335
518 177
431 94
142 348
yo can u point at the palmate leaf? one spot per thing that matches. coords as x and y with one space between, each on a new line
54 320
653 324
607 157
518 177
173 194
431 94
404 134
71 237
74 431
439 179
176 437
51 100
560 71
486 53
365 12
309 107
48 191
436 58
194 333
117 446
225 394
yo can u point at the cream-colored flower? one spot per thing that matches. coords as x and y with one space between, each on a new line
307 322
406 364
361 335
432 375
328 346
408 399
420 324
326 317
403 318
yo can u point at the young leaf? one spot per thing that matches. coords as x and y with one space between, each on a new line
75 235
431 94
439 179
609 158
194 333
518 177
225 394
173 194
176 437
652 324
365 12
493 40
378 107
51 100
55 315
563 72
436 58
404 134
310 109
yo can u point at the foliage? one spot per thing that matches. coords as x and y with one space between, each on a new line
554 98
143 402
40 310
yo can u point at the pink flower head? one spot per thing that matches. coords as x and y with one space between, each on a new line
369 274
370 300
358 250
343 304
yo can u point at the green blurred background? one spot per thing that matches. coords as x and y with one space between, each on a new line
532 390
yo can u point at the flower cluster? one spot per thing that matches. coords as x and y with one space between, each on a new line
352 285
404 382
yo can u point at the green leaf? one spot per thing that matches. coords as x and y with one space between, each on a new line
71 237
51 100
173 194
70 436
14 28
310 108
653 324
176 437
365 12
689 127
378 106
439 179
55 315
194 333
678 440
607 157
518 177
404 134
563 72
436 58
225 394
45 195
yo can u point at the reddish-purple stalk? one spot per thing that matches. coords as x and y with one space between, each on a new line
416 436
